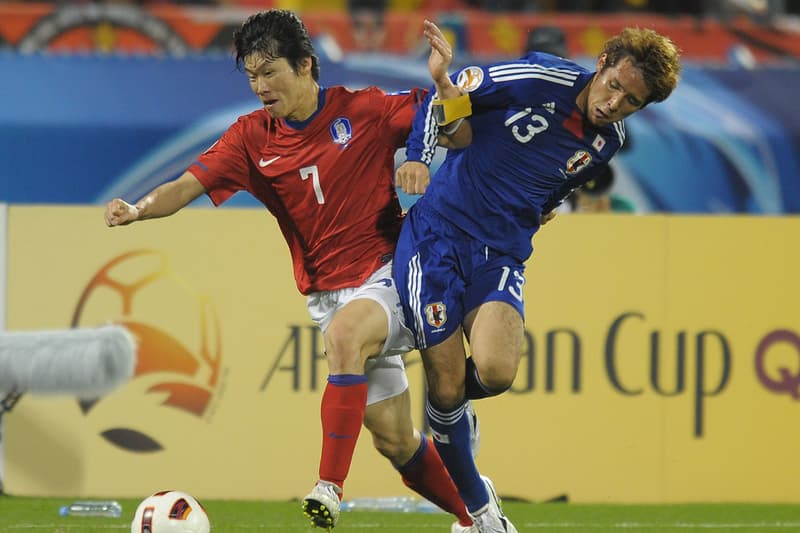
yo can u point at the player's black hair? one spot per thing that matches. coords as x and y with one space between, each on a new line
547 39
600 184
274 34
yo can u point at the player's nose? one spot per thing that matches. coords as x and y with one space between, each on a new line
262 85
614 102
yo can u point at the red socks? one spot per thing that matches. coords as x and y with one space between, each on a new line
342 411
343 405
426 475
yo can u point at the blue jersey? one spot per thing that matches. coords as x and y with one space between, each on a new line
531 146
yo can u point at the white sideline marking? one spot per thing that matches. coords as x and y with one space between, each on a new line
59 527
687 525
620 525
565 525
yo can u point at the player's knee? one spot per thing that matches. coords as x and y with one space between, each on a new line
446 395
499 382
342 349
498 375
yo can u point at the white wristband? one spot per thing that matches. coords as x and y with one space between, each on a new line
452 127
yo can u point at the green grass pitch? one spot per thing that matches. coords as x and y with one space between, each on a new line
40 515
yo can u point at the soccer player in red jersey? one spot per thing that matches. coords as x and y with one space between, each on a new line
321 160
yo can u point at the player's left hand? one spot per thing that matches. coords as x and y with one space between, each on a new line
413 177
441 52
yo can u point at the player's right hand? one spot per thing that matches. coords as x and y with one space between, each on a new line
413 177
119 213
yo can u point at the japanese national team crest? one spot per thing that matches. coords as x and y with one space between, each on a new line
341 131
436 314
578 162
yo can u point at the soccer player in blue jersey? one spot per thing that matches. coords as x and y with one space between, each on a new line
526 133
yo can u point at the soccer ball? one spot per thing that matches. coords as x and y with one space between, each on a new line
170 511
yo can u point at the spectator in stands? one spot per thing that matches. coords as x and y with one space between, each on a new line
368 29
760 11
663 6
597 196
547 39
506 5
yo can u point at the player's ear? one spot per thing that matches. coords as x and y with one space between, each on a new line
601 61
304 67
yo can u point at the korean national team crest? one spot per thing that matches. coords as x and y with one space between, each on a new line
341 131
578 161
436 314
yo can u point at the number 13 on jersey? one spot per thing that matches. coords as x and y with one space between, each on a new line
513 285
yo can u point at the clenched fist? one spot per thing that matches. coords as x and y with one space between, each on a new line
413 177
119 213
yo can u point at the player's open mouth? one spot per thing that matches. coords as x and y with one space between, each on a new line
269 103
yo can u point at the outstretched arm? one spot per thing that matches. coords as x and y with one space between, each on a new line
457 134
439 61
162 201
413 176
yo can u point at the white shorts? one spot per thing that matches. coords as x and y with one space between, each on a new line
386 373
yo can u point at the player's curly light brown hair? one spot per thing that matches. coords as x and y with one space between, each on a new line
654 54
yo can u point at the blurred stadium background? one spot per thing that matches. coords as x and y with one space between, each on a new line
124 94
664 349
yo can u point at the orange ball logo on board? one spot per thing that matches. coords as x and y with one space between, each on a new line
178 345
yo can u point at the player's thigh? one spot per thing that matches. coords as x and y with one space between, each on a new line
494 323
497 334
358 327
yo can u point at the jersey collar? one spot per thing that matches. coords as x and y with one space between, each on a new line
320 104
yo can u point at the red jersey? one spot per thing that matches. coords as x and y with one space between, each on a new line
329 180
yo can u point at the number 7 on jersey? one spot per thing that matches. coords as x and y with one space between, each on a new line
313 172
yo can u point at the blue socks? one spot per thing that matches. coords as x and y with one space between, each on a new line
450 429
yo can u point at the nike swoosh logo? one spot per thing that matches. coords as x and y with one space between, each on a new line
263 163
337 436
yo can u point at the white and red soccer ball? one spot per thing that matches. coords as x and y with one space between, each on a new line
170 511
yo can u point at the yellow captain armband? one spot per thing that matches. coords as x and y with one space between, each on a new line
451 109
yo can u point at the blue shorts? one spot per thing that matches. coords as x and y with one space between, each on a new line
442 274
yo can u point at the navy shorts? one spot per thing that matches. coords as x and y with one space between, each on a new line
442 274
